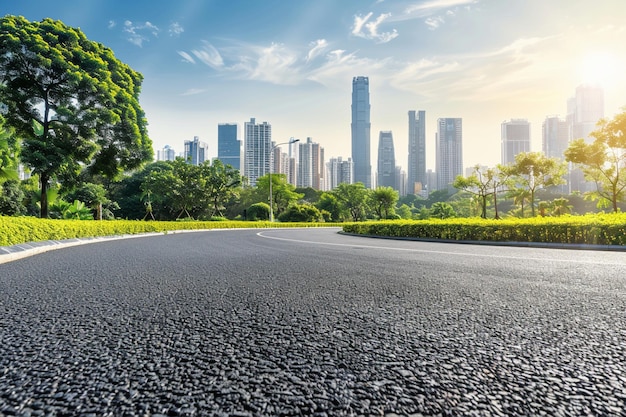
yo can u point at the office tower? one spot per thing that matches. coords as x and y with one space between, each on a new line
515 135
416 180
400 181
449 152
258 145
339 171
166 154
311 165
229 145
386 160
585 110
555 137
196 151
361 131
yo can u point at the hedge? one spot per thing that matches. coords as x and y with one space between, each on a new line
597 229
16 230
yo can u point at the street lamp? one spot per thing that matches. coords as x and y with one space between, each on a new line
292 140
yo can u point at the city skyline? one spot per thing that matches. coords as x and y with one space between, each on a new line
206 63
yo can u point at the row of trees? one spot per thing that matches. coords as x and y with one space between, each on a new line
70 112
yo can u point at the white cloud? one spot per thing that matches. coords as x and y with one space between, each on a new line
176 29
209 55
186 57
193 91
434 22
112 24
432 7
137 32
364 28
317 48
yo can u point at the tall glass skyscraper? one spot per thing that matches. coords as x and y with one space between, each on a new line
228 145
449 152
416 180
196 151
258 145
386 161
361 131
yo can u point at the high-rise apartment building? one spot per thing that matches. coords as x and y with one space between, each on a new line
449 152
311 165
229 145
555 137
386 160
166 154
361 131
339 171
257 148
515 135
196 151
416 180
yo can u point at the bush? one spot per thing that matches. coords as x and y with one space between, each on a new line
301 213
258 211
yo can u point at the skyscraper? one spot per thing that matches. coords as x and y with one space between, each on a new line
584 111
258 145
555 137
228 145
515 136
416 180
339 171
196 151
311 165
166 154
449 151
361 131
386 160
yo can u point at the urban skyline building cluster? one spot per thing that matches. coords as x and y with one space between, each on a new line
304 162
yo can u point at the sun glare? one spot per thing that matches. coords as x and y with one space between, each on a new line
599 68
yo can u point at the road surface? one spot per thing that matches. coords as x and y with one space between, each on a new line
310 322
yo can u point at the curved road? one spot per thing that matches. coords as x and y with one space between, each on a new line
310 322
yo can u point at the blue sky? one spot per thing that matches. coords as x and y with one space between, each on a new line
291 63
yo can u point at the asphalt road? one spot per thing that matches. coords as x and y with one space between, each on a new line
310 322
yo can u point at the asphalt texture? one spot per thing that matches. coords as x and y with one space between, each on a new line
310 322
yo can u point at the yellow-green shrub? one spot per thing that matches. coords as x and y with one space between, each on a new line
16 230
601 229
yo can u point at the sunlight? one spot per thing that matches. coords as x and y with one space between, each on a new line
599 68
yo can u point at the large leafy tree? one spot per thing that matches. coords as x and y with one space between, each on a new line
604 160
383 200
71 101
8 153
284 194
532 171
221 183
354 199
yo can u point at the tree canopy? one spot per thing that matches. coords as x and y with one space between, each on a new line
604 160
71 102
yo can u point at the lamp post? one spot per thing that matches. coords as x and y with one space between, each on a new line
292 140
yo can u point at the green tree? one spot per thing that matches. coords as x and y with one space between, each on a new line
94 196
532 171
441 210
404 211
354 199
301 213
11 197
8 153
258 211
221 183
383 200
329 203
71 101
477 184
604 161
284 194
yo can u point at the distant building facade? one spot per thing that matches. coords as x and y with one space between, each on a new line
416 176
515 139
166 154
360 128
386 160
555 137
196 151
257 149
339 171
229 145
311 165
449 152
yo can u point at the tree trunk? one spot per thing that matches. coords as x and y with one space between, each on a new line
43 202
